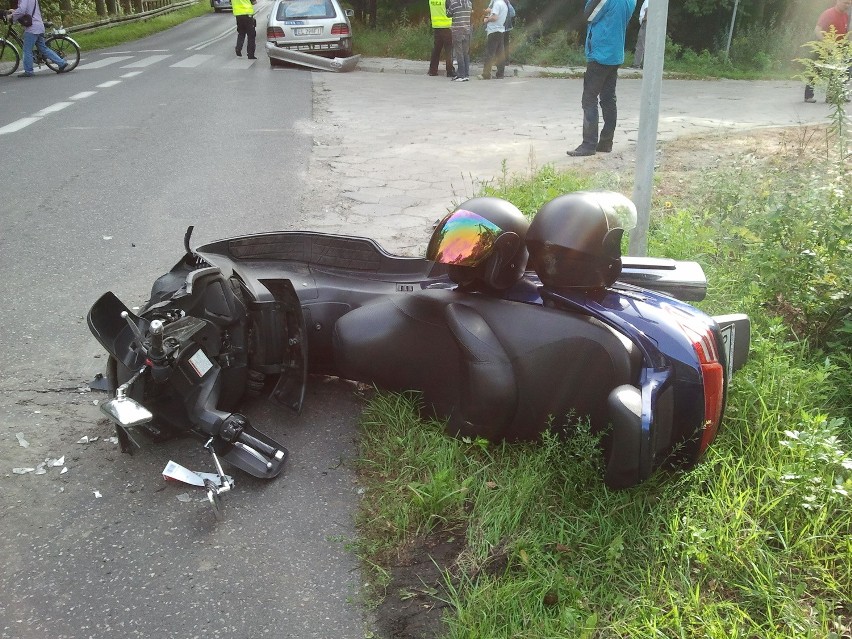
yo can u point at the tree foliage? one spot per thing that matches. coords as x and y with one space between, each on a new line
695 24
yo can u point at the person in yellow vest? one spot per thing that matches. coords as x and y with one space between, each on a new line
244 13
442 36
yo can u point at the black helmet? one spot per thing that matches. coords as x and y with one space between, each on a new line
575 239
482 241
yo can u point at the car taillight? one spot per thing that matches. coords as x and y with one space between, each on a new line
712 373
274 32
341 28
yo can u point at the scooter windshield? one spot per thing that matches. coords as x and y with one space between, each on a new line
462 238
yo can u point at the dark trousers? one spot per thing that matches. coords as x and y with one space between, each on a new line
246 29
504 58
493 53
443 39
599 84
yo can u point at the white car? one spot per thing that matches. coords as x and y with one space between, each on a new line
220 5
320 27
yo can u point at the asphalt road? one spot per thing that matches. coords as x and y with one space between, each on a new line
104 169
126 152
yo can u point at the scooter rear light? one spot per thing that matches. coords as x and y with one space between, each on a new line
713 377
341 28
274 32
712 374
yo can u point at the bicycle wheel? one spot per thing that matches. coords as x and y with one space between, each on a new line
9 57
65 48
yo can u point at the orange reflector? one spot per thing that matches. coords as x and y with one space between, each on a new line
714 389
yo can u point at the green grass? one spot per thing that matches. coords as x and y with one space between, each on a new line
755 541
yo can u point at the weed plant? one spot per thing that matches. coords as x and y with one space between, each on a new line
755 541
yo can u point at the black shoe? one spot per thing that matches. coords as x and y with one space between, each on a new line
581 151
239 53
251 57
432 73
604 147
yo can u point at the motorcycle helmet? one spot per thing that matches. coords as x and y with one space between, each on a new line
575 239
482 242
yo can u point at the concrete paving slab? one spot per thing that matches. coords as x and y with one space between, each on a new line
395 127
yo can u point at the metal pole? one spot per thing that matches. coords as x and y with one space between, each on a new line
649 115
731 30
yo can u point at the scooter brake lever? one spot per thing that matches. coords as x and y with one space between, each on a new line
140 338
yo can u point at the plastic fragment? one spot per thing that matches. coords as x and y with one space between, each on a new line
95 402
64 470
59 462
112 440
23 442
83 440
184 497
97 494
40 468
22 471
107 237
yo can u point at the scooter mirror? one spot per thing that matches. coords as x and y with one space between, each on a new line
126 412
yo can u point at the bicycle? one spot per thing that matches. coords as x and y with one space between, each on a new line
59 42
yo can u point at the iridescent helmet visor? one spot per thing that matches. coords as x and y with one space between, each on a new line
462 238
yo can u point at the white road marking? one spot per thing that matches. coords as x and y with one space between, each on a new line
105 62
207 43
192 61
107 85
82 95
146 62
131 74
240 63
17 125
53 108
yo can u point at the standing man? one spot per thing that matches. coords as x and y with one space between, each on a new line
459 11
507 29
607 21
244 13
33 36
494 27
442 38
639 52
837 17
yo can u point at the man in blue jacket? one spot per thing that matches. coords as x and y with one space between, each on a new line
607 25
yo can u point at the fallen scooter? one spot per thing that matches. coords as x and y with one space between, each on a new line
505 327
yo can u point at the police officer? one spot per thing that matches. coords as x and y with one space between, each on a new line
244 13
442 36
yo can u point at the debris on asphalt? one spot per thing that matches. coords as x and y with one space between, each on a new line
22 471
112 440
176 472
64 470
21 441
40 468
85 439
184 497
97 494
58 462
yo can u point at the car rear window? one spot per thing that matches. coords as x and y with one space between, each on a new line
291 9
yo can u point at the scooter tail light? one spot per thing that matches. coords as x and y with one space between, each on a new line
713 377
340 28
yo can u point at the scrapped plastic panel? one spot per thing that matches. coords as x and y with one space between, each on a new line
311 60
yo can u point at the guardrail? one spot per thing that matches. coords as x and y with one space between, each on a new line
152 8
